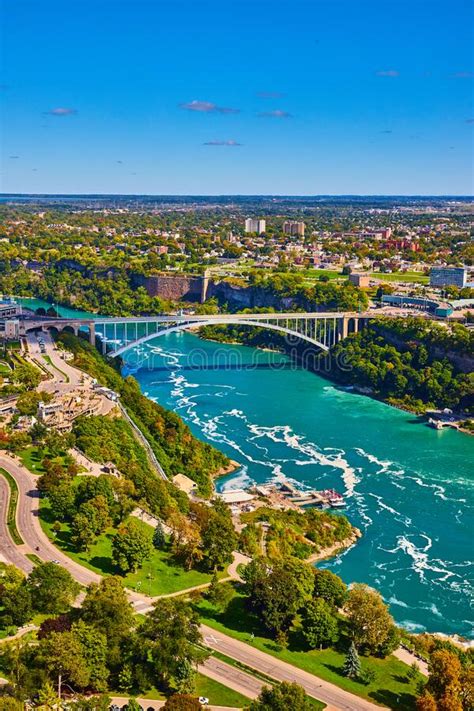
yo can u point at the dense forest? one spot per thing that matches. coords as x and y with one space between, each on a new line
389 359
176 448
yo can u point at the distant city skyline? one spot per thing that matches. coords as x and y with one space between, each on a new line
250 97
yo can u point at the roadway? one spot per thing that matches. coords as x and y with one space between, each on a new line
281 671
9 552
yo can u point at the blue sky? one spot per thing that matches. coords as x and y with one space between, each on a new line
245 96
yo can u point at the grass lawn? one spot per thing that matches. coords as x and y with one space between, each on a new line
11 515
409 277
389 688
48 360
32 458
314 274
159 575
5 370
218 694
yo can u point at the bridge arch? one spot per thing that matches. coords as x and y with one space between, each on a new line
225 321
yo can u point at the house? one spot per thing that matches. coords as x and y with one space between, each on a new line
184 483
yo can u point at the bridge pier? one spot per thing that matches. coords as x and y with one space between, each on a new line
92 333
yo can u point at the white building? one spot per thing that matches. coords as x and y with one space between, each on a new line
253 225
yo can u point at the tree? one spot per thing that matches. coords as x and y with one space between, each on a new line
82 532
133 705
106 606
352 666
277 590
426 702
169 634
186 541
8 703
369 620
220 594
330 587
219 539
159 538
62 500
17 605
319 624
52 588
182 702
131 546
184 677
94 652
48 698
62 656
446 681
281 697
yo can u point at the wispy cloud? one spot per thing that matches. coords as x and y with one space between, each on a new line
462 75
119 161
387 131
61 111
276 113
471 120
13 157
387 73
207 107
269 95
229 142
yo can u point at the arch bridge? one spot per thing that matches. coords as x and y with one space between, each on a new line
117 335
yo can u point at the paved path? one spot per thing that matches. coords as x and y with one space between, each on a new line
409 658
281 671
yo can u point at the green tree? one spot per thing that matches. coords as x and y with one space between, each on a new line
106 607
62 500
52 588
61 654
184 677
281 697
369 621
17 605
82 531
218 536
277 590
131 546
352 668
170 633
159 538
47 697
330 587
94 652
319 625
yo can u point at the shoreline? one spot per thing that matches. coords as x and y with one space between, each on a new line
337 548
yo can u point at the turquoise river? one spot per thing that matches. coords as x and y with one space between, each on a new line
409 488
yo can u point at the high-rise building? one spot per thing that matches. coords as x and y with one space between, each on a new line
448 276
253 225
293 228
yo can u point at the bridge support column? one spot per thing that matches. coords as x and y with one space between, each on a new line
92 333
342 328
356 325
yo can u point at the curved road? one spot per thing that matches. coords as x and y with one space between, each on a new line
10 552
29 527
